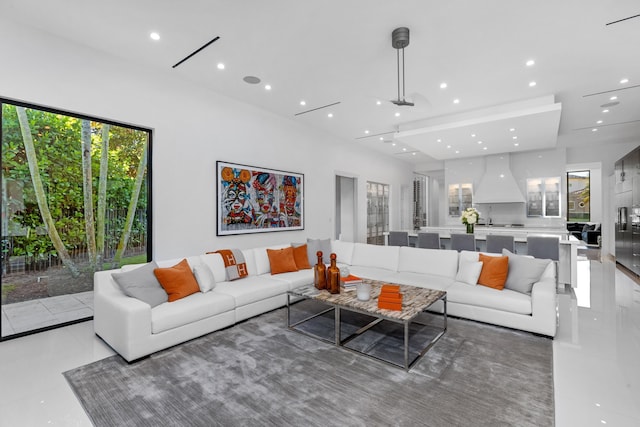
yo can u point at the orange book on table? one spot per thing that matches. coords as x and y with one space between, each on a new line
396 298
389 305
390 288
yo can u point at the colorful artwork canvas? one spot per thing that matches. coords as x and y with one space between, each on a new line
257 200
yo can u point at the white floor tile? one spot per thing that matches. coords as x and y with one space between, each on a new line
596 359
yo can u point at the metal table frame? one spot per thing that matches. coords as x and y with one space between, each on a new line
338 341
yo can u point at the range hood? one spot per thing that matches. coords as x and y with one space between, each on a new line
498 184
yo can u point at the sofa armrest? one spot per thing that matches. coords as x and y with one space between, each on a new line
123 322
544 305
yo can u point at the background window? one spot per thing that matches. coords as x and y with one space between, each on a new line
578 196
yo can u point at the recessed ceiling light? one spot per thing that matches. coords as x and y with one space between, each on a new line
381 139
397 114
594 130
484 148
404 149
512 130
473 135
443 85
267 87
378 102
154 36
393 144
366 132
439 140
330 115
514 137
532 84
220 66
501 175
530 63
613 98
540 156
479 142
448 146
303 102
414 153
457 151
456 101
515 144
599 122
605 111
623 81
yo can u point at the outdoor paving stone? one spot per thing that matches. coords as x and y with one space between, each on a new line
61 304
68 316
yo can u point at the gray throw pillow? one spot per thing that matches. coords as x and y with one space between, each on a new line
315 245
142 284
523 271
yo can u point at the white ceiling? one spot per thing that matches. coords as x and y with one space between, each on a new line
332 51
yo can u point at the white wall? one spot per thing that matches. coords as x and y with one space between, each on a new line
192 128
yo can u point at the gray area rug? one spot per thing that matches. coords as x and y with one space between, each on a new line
260 373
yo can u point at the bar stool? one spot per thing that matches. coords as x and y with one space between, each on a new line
428 241
398 238
463 242
545 247
497 242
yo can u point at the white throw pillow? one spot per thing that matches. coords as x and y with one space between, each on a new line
204 277
469 272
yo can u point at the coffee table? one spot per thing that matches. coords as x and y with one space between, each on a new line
416 300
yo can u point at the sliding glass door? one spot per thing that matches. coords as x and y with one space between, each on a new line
75 200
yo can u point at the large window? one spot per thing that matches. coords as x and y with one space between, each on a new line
75 200
578 196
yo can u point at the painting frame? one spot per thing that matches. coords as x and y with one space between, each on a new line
253 199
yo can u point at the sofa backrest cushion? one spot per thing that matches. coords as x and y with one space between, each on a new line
343 251
261 258
386 257
494 271
439 262
216 265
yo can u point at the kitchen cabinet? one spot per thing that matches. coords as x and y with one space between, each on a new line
627 222
460 198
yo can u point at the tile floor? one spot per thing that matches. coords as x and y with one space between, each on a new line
596 360
29 315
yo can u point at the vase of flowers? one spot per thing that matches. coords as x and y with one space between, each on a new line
469 218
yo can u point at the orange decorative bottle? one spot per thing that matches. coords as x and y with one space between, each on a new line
333 276
320 273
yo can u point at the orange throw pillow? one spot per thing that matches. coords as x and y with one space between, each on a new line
178 281
301 257
281 260
494 271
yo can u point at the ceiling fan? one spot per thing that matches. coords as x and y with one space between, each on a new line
400 40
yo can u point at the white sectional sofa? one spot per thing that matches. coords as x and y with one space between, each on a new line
134 329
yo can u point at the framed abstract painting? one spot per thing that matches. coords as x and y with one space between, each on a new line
256 200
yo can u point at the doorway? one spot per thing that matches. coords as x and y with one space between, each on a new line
346 212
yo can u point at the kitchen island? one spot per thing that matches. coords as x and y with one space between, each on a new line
568 250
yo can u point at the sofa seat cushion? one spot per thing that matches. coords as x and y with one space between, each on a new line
190 309
253 288
430 281
482 296
295 279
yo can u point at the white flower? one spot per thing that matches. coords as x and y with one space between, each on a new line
470 216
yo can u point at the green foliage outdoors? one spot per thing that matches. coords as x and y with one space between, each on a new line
58 148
